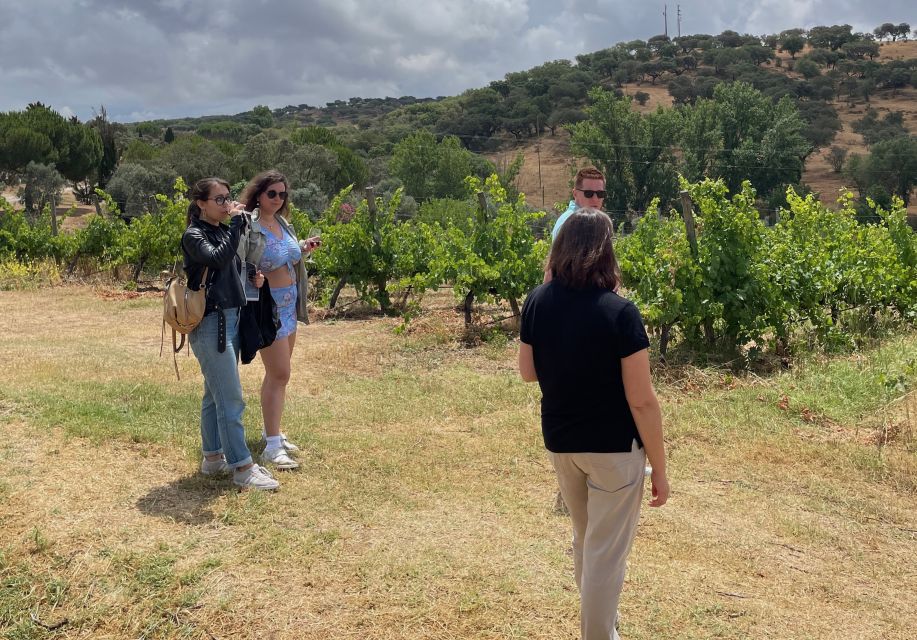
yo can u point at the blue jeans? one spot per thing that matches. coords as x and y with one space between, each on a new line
221 409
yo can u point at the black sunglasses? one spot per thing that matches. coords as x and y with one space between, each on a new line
273 194
589 193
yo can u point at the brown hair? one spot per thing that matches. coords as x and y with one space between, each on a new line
259 185
582 256
587 173
201 191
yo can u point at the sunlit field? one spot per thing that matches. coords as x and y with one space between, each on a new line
424 507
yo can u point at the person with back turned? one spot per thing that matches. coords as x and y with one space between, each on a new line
587 348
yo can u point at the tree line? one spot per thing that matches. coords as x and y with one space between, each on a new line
376 145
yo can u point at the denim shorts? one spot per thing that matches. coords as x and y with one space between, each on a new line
285 299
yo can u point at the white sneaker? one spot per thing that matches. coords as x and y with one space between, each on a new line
287 445
279 458
214 467
255 477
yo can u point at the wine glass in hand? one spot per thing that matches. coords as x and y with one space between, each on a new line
311 243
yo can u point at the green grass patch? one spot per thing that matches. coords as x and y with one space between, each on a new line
849 388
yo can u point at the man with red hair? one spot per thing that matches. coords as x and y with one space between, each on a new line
588 191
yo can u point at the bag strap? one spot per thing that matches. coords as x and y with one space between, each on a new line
181 343
162 337
175 350
204 279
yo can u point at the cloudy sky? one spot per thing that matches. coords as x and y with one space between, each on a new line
147 59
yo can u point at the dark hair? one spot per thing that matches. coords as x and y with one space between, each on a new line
587 173
259 185
583 255
201 191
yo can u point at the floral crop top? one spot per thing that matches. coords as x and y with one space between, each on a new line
279 251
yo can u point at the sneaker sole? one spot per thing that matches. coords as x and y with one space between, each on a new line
281 467
245 487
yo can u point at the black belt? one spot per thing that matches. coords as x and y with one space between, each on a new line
221 332
221 327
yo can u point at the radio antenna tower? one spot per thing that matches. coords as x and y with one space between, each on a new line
679 20
665 15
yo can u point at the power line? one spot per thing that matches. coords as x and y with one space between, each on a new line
644 146
712 164
712 151
605 144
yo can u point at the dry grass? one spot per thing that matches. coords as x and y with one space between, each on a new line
424 506
658 95
553 186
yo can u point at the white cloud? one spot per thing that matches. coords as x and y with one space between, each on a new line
426 62
145 58
791 12
549 42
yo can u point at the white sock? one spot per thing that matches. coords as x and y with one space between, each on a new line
274 442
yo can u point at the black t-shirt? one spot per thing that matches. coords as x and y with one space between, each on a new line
578 338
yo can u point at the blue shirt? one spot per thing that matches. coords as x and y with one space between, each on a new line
571 209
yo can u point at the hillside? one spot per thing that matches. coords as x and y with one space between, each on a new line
338 112
558 164
354 141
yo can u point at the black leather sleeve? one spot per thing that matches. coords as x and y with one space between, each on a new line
216 256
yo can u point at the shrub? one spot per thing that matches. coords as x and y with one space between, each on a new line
807 68
836 158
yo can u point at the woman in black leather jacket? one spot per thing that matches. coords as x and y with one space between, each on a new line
207 243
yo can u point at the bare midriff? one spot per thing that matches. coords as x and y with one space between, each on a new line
280 277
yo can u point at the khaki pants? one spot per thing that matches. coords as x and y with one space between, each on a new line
603 492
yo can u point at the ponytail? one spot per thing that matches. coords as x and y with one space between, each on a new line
194 212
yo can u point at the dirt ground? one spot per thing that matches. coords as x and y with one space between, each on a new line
547 174
69 220
80 214
818 172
